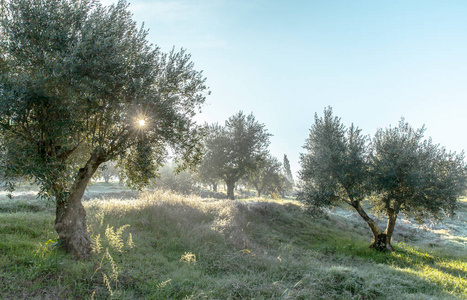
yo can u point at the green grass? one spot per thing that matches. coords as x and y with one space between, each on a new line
164 246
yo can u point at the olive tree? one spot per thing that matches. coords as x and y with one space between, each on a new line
234 150
399 173
334 170
213 158
81 85
411 175
183 182
107 171
266 176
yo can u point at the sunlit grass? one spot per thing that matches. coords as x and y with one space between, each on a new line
447 272
166 246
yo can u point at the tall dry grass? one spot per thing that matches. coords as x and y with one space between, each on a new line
165 246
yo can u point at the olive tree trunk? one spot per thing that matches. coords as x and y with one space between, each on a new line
381 240
230 189
392 217
258 189
70 221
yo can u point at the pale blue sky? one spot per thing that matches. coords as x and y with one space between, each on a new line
372 61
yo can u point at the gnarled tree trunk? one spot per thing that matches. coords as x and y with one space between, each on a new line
380 242
380 239
70 221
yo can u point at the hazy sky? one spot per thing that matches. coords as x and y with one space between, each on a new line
372 61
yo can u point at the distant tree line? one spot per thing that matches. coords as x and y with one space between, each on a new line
238 152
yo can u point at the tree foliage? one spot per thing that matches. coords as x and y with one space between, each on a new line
287 170
107 171
75 78
234 150
267 176
414 176
400 171
170 179
334 168
215 142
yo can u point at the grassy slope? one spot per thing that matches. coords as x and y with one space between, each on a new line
188 248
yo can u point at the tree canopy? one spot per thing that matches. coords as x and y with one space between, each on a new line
234 149
399 172
75 79
267 176
413 176
182 182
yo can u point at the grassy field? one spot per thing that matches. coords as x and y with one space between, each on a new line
163 246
